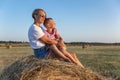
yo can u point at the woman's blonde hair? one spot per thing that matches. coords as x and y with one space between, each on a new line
36 12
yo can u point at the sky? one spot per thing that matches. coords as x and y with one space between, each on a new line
77 20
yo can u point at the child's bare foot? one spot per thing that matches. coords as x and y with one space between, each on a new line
68 60
81 65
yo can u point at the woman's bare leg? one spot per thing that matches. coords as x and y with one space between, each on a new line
51 55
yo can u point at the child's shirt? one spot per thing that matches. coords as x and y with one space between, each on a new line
52 35
56 36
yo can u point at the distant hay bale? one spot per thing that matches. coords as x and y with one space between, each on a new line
31 68
84 46
1 62
9 46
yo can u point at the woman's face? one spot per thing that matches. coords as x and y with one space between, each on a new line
40 17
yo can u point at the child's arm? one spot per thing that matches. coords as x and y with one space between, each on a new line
57 35
60 40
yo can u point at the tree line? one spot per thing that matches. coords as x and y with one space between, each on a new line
67 43
92 43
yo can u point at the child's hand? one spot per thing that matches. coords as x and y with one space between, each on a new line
61 44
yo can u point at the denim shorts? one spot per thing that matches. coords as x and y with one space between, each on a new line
41 52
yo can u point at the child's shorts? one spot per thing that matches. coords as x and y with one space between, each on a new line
41 52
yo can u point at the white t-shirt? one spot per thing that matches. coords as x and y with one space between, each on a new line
34 34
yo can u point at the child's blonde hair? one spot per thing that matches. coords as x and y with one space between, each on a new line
47 20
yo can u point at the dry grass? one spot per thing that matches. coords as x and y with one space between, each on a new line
31 68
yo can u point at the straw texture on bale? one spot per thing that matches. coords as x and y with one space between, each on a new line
31 68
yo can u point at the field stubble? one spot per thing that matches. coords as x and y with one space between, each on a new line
102 59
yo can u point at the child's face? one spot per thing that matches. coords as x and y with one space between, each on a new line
50 24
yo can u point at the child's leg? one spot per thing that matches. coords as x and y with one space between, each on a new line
56 51
75 57
67 54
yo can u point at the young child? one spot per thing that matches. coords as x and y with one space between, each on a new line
53 33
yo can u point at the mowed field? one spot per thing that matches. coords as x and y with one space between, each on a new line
104 60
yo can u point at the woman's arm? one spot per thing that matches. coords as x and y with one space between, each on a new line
47 40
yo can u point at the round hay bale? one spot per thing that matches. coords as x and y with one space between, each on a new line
9 46
31 68
84 46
